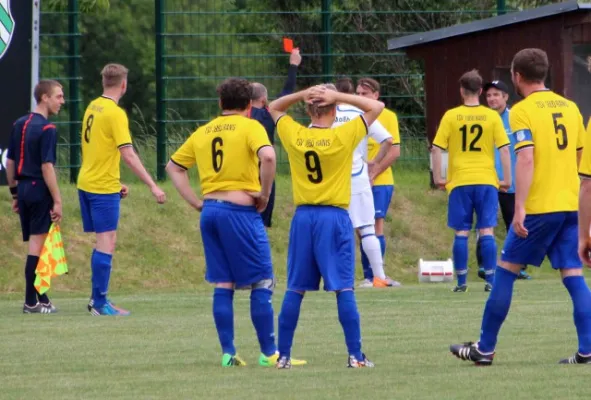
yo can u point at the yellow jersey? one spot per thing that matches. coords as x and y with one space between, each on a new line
470 134
105 129
553 126
226 153
320 160
585 166
390 121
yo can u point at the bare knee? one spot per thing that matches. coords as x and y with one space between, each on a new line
36 243
463 233
106 241
487 231
379 226
224 285
515 268
566 272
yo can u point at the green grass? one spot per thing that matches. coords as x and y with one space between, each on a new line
159 247
168 349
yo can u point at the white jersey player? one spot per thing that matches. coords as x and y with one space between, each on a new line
361 208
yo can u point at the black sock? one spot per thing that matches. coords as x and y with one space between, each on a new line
30 291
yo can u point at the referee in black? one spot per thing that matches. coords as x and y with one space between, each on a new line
33 183
260 112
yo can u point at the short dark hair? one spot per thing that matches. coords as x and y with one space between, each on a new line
471 81
235 94
369 83
45 87
314 110
531 64
345 85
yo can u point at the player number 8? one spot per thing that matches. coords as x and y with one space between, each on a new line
89 123
313 165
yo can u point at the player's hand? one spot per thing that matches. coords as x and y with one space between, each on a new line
124 191
322 96
56 212
260 200
312 93
503 186
585 251
440 183
198 206
158 194
519 222
14 206
295 58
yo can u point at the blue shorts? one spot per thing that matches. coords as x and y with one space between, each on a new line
235 243
554 235
382 196
321 245
465 200
34 206
100 212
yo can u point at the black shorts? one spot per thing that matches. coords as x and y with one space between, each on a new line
34 206
268 213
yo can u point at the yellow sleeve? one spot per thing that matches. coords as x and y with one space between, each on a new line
519 123
286 127
501 138
582 133
393 129
442 136
352 132
185 157
257 136
585 166
120 129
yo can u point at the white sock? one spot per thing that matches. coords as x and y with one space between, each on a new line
371 246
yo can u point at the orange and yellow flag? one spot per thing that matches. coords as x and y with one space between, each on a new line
52 261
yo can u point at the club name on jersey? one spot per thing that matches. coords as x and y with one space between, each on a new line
551 104
309 143
96 108
471 118
219 128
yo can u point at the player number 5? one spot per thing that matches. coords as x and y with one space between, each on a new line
313 165
559 128
217 155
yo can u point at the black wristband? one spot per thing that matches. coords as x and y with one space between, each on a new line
13 190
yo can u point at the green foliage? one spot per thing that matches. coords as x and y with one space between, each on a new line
85 6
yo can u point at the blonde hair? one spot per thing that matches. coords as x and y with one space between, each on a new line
113 75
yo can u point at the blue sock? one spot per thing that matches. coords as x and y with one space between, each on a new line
223 315
101 274
288 320
488 249
92 291
581 296
367 272
460 255
382 240
496 309
261 313
349 319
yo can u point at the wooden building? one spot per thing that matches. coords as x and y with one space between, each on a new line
563 30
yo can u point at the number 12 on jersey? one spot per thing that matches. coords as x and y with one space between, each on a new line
476 130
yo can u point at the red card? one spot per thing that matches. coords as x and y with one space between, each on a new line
287 45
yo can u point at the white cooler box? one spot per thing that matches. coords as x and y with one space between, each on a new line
436 271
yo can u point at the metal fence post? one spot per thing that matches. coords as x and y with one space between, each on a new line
326 40
160 92
74 87
501 7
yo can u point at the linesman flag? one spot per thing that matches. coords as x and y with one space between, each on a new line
52 261
6 26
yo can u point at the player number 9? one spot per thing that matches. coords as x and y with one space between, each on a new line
313 165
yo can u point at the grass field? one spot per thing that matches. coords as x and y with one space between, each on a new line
168 349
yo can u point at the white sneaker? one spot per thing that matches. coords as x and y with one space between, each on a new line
366 283
392 282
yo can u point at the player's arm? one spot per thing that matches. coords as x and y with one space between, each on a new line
279 106
502 142
48 159
524 166
440 143
123 141
294 61
585 200
386 156
260 145
180 162
371 108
